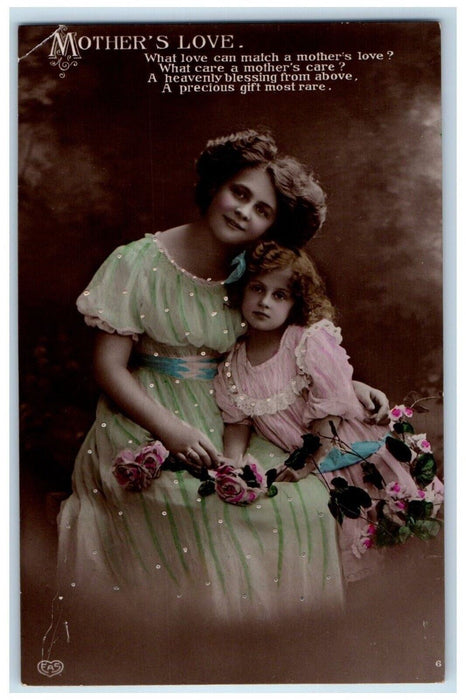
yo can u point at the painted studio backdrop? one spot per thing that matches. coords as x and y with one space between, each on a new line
111 121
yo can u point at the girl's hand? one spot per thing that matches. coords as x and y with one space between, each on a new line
235 442
289 474
375 401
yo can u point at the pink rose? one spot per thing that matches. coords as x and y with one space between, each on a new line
152 457
409 413
257 473
239 486
396 412
231 488
135 471
132 477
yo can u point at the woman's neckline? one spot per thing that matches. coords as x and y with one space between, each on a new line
202 280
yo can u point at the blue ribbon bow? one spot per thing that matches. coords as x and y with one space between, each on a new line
239 264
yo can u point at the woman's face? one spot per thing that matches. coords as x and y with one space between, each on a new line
243 208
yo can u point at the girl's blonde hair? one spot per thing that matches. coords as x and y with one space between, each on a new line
306 285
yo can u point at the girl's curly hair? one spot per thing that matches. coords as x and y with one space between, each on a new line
300 198
307 287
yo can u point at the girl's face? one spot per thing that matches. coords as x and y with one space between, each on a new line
243 209
267 300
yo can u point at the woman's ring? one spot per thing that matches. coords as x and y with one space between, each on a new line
190 451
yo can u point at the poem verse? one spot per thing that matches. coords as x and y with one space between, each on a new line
185 73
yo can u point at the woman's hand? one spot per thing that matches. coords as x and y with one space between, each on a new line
189 445
111 357
374 400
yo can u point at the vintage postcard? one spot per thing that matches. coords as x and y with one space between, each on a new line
180 354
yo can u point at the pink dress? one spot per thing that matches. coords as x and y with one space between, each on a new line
310 378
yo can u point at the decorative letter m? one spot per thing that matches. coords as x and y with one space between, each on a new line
64 45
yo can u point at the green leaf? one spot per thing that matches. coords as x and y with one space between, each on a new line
424 469
206 488
387 533
403 427
426 529
249 477
271 475
272 491
398 449
372 475
297 459
419 510
311 443
335 509
404 533
339 482
347 501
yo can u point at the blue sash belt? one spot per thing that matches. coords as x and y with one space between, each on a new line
180 367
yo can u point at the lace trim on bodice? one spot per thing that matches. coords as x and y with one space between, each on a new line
254 406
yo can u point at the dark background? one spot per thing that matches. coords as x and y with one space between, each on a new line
104 158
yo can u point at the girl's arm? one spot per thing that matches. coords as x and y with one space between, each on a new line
235 441
374 400
111 356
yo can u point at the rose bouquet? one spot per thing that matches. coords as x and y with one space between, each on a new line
401 511
135 470
239 485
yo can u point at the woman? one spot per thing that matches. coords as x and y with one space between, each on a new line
167 556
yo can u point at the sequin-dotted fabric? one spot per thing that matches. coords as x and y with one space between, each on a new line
166 546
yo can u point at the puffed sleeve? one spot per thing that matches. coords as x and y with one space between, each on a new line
230 412
112 300
320 355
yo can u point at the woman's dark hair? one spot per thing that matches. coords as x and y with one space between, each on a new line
300 198
306 285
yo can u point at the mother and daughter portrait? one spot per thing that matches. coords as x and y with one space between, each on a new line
238 476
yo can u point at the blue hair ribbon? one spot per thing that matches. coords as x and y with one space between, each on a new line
239 264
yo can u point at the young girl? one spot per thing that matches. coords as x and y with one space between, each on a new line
289 376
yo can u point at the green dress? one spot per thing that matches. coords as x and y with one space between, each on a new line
166 550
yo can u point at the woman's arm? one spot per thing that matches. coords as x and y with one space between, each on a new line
374 400
111 356
235 441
